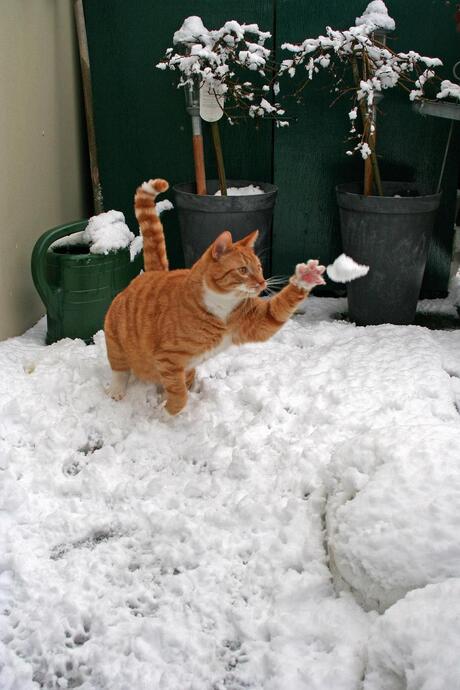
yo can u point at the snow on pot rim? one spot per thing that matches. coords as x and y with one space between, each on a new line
75 247
106 233
250 190
186 197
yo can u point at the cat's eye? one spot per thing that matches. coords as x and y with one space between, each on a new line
243 270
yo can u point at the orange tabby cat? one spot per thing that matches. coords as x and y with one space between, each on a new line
165 323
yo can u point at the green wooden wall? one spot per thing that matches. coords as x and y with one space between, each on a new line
142 128
143 131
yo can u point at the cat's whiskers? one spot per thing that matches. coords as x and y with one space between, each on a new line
276 281
280 277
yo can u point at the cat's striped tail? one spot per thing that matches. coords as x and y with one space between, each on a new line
155 257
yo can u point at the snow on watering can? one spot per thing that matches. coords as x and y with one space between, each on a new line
75 285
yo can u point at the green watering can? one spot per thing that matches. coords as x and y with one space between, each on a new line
76 286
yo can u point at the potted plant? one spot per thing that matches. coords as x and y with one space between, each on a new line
385 225
226 72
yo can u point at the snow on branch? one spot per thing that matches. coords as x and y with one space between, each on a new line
362 66
231 62
449 90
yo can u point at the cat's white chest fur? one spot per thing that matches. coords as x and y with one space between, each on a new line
220 304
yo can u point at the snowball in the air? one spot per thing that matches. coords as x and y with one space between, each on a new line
344 269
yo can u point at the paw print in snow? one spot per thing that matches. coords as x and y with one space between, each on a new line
308 275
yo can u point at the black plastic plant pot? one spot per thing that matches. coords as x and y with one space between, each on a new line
203 218
390 234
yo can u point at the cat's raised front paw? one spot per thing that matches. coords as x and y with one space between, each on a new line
308 275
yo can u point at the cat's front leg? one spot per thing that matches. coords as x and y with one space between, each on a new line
118 384
174 383
263 318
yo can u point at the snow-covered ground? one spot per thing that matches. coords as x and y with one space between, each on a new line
296 528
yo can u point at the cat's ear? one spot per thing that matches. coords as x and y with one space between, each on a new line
222 245
249 240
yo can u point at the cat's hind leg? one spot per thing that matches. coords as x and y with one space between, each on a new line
119 366
173 380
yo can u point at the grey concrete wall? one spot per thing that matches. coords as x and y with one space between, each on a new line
42 177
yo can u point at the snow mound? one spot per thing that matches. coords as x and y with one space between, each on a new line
449 89
192 31
394 512
414 644
345 269
107 232
376 13
242 191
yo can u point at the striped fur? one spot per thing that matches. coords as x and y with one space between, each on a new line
155 257
166 322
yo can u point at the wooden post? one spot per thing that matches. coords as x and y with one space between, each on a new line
192 100
373 175
219 157
368 172
88 98
198 158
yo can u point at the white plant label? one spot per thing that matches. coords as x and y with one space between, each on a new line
211 106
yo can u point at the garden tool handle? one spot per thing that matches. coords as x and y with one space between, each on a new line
198 156
38 260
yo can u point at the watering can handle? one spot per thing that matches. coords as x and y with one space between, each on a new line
38 260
